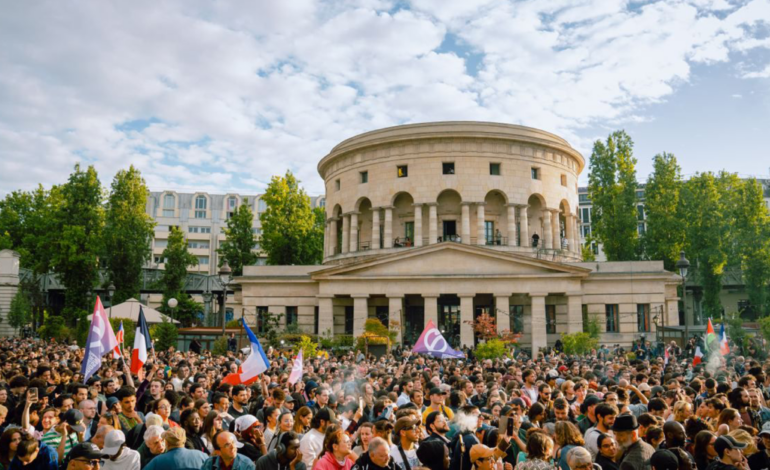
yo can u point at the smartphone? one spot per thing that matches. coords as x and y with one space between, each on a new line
32 395
503 423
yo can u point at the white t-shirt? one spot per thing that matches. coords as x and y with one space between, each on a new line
129 460
310 446
411 456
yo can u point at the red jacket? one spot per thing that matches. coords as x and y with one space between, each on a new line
328 462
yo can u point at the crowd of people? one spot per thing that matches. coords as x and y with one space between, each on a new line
400 412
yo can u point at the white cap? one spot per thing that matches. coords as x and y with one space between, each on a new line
244 422
112 442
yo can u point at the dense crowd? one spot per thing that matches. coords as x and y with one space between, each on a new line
608 410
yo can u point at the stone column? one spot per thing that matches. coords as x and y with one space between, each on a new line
569 231
396 314
574 312
576 231
672 311
375 228
345 232
430 310
360 312
547 235
9 286
555 226
466 223
512 225
539 336
466 315
326 315
333 237
523 224
432 223
326 239
353 232
417 225
388 232
503 311
480 239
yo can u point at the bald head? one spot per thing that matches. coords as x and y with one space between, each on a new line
98 438
226 446
674 434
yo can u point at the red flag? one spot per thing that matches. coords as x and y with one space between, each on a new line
698 356
118 336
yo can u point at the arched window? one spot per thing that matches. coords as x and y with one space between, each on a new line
200 207
169 204
232 205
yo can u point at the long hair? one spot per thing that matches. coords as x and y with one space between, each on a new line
567 433
299 428
539 445
334 435
5 445
727 415
208 424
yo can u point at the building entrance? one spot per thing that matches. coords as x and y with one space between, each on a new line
450 230
449 318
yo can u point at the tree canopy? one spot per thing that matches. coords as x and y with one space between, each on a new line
236 250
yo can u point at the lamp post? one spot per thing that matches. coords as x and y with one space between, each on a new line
111 292
172 303
225 276
682 265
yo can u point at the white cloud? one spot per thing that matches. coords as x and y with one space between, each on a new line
235 92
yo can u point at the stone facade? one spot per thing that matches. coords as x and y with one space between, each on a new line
438 222
9 285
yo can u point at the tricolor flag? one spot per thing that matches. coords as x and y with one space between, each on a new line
296 370
698 356
101 340
119 337
254 365
665 362
710 335
431 341
142 344
724 348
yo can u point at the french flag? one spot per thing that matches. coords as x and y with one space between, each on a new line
724 348
142 344
119 336
254 365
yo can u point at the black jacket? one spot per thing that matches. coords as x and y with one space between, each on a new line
365 463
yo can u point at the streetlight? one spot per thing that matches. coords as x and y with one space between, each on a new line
682 266
111 292
172 303
225 276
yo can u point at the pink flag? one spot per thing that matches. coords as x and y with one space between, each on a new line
101 340
432 342
296 370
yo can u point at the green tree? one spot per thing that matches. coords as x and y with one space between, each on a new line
129 330
177 259
20 313
164 335
290 230
128 234
77 242
491 349
612 189
236 250
752 243
578 343
665 235
707 209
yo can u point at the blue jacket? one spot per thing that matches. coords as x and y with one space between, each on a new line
241 463
178 459
47 459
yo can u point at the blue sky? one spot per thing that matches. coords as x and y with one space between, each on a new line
221 96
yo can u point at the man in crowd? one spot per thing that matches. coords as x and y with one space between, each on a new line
176 456
636 452
407 434
226 456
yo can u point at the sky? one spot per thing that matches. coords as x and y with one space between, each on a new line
220 96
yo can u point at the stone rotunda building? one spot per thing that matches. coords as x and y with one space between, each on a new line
445 221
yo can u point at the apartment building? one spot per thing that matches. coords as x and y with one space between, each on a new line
202 217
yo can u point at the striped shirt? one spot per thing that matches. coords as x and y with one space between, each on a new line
53 439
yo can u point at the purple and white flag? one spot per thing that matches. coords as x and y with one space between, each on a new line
101 341
296 370
432 342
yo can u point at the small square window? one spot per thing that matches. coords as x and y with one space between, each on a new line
494 169
564 180
337 185
535 173
364 177
402 171
448 168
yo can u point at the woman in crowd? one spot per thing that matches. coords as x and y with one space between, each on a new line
608 449
704 452
162 408
335 453
365 434
211 426
539 452
9 441
271 423
729 420
302 421
567 436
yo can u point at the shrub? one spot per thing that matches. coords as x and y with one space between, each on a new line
308 346
53 328
233 324
491 349
164 334
220 346
578 343
129 330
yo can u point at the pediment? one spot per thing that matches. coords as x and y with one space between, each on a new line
449 260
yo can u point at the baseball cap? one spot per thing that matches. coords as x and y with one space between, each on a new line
664 460
112 401
87 450
326 414
724 443
74 419
435 391
765 429
244 422
112 441
480 451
